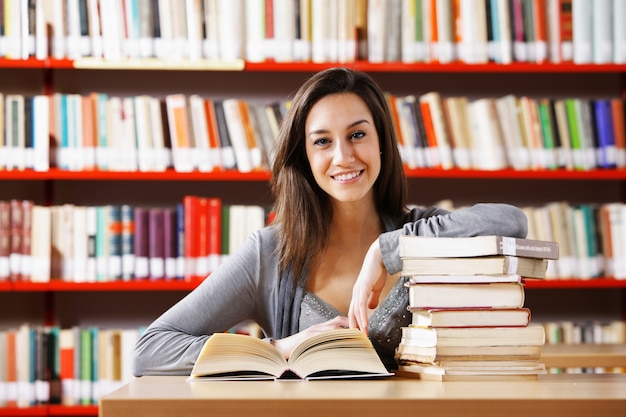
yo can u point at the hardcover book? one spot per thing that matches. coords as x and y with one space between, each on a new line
434 247
342 353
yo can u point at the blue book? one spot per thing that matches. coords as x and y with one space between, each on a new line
606 152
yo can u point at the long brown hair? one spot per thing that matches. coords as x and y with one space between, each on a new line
302 210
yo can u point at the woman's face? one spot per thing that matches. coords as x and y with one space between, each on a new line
342 147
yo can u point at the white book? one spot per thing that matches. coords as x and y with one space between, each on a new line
231 31
162 154
582 31
602 31
164 46
112 24
193 18
210 43
79 219
505 44
179 31
41 131
41 31
255 30
128 149
201 154
488 150
178 123
376 30
619 32
95 32
72 36
55 20
517 152
145 150
284 30
115 133
234 123
446 48
132 41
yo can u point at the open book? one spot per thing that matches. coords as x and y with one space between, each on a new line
342 353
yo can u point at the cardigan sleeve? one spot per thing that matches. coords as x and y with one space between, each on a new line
477 220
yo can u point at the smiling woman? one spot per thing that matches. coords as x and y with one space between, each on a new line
330 258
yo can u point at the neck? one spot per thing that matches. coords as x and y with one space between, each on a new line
354 224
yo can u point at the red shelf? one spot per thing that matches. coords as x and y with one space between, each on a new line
58 285
171 175
147 285
168 175
79 410
575 283
454 67
27 411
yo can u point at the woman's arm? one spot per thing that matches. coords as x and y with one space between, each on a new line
171 344
383 257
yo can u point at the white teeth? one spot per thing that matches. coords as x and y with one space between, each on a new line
346 177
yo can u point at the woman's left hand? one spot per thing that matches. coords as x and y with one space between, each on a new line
367 288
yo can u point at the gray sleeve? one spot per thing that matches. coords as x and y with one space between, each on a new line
480 219
171 344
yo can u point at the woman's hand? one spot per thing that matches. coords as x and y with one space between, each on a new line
286 345
367 288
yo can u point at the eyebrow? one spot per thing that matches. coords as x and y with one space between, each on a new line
351 125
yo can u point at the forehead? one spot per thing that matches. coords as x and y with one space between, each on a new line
338 106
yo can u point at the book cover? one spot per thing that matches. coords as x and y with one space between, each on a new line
532 335
343 353
488 295
423 246
503 264
470 317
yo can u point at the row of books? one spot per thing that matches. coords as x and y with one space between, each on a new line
520 132
137 133
466 298
470 31
585 332
591 237
121 242
191 132
70 366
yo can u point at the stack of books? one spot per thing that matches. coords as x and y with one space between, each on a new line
466 297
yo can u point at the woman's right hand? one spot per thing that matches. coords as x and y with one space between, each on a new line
287 344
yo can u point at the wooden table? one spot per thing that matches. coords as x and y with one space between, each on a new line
551 395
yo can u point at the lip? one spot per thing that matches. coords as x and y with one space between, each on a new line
351 177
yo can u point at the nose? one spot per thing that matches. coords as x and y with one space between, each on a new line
343 153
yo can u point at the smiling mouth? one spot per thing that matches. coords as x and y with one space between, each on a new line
348 176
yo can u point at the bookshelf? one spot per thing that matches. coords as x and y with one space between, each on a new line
137 303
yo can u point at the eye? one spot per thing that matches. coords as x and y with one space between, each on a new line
321 142
357 135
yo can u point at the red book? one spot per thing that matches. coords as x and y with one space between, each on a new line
202 261
566 24
27 221
214 231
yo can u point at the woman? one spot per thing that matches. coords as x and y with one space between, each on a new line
340 202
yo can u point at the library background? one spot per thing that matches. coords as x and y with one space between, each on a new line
137 137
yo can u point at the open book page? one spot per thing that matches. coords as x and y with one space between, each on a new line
335 354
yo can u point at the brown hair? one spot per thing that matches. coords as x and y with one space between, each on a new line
302 209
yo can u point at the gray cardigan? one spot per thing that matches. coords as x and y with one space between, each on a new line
247 287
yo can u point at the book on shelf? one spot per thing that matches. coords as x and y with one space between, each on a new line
342 353
498 264
434 354
434 247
